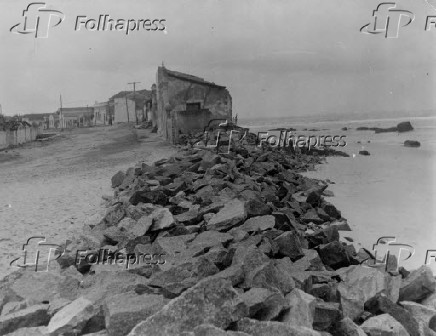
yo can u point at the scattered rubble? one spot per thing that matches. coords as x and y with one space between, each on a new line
202 243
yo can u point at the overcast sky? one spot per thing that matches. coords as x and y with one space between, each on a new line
277 58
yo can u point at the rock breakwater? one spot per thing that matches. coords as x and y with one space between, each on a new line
250 247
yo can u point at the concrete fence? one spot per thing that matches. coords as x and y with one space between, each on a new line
18 136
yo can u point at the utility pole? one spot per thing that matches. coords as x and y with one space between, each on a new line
61 119
134 96
127 109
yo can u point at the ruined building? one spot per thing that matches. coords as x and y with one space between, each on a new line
182 103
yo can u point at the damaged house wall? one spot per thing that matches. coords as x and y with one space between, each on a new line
183 103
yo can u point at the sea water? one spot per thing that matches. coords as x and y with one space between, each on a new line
391 192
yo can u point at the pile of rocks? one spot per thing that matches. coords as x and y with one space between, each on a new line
232 244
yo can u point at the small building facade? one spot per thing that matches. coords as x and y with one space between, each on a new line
53 121
124 110
129 106
101 113
183 103
71 117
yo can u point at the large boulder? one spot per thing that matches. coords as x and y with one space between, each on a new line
211 301
360 284
289 245
149 196
263 328
135 228
404 126
210 330
309 262
33 316
383 325
99 286
255 207
162 219
37 286
430 301
258 223
118 179
208 239
270 276
301 309
381 304
418 284
181 277
334 255
326 316
263 304
79 316
421 313
346 327
124 311
232 214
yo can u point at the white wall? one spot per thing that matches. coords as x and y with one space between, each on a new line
120 110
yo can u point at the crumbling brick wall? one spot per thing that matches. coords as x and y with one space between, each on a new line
175 91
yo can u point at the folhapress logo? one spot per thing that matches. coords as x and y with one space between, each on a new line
388 20
387 247
38 20
38 254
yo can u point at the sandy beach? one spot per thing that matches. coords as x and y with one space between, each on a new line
51 188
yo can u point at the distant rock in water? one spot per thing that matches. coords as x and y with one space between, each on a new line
412 143
364 152
405 126
344 128
283 129
386 130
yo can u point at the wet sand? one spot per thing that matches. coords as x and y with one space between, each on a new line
51 188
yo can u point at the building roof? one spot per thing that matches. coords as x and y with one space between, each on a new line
97 104
190 78
77 111
140 97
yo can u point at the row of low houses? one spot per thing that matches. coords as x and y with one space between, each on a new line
125 106
177 103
